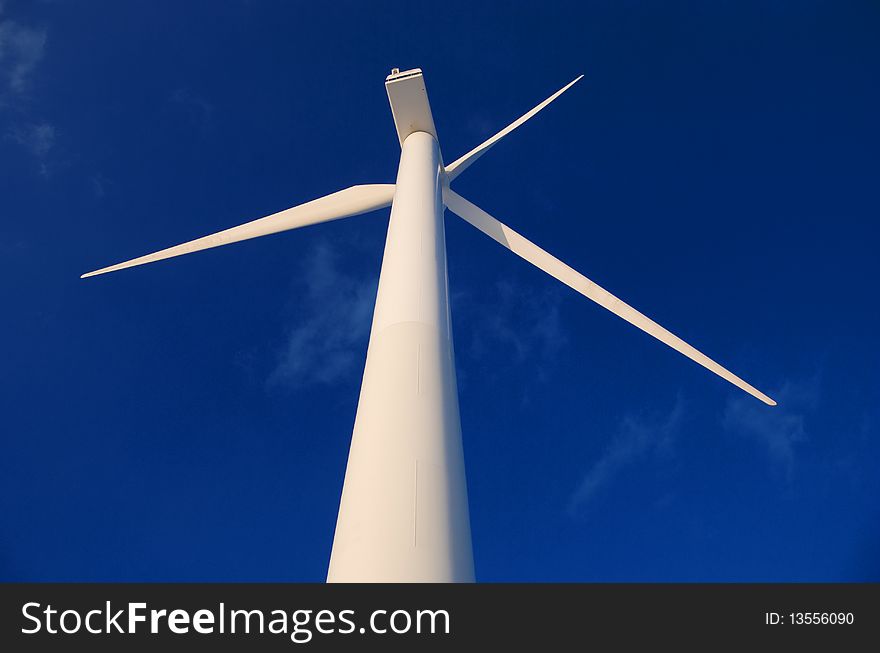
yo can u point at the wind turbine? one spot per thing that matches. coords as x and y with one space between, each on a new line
403 515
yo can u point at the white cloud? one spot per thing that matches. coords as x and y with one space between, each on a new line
515 323
99 184
779 429
327 343
37 138
197 110
636 437
21 49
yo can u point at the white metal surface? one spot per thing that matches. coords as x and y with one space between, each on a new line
409 104
342 204
569 276
403 515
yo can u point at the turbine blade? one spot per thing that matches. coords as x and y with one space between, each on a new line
459 165
567 275
342 204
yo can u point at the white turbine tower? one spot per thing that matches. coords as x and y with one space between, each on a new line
404 511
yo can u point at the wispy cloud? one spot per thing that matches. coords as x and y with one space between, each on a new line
99 184
196 109
327 341
21 49
781 429
515 324
37 138
637 436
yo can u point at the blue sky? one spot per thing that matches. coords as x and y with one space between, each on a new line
717 168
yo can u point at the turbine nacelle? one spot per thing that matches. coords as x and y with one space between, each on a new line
409 103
